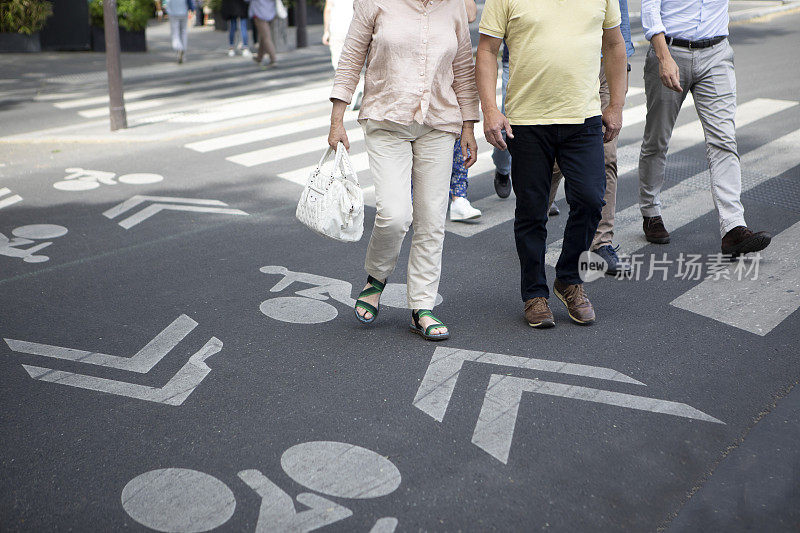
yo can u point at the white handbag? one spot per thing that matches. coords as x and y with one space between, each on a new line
332 203
280 10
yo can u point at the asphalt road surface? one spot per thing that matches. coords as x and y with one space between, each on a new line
180 353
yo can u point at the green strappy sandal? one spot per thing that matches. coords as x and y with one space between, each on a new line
376 288
425 333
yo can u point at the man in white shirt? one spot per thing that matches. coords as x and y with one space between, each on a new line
689 51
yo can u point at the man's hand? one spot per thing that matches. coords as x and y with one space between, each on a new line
469 147
669 73
494 122
612 120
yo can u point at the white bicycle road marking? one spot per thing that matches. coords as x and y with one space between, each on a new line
184 500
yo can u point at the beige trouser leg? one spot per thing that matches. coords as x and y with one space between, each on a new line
605 229
399 154
265 44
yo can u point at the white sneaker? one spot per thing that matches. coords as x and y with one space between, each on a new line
461 210
247 53
231 52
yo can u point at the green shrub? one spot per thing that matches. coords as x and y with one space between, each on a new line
23 16
215 5
131 14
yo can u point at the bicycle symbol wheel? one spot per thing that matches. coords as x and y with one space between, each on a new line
140 179
298 310
178 500
76 185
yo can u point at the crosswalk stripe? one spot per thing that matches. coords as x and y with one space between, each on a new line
637 114
262 134
691 134
129 106
293 149
690 199
10 200
755 305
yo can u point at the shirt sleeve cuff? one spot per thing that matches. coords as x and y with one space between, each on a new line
649 32
491 33
613 24
340 93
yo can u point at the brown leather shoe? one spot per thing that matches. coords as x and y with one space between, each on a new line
578 305
741 240
654 230
538 313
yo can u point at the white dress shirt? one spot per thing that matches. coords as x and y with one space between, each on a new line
692 20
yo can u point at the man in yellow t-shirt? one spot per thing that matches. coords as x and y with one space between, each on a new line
553 115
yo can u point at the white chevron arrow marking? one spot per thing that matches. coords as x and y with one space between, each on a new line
437 386
494 430
196 205
142 362
175 392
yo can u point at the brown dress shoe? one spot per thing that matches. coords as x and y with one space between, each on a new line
578 305
538 313
742 240
654 230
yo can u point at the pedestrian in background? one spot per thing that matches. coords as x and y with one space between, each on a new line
460 208
263 12
689 51
235 12
337 16
553 104
415 104
178 12
602 244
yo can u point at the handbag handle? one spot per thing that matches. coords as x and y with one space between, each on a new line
343 160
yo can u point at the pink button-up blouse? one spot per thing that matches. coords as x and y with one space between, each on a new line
419 65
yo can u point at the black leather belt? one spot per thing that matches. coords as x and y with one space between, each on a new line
703 43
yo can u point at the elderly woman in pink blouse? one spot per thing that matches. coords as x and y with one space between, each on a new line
419 94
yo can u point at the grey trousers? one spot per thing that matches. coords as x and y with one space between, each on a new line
708 73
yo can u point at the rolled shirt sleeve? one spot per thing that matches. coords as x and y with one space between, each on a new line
651 18
464 83
354 52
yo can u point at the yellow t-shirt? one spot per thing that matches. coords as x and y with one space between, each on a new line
554 50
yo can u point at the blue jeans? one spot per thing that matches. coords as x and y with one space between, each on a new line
232 24
502 158
578 149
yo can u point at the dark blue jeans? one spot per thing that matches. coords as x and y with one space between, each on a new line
578 149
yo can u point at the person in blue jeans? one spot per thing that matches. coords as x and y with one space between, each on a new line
235 12
502 158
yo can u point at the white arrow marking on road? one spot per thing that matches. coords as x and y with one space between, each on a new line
754 305
142 362
173 205
10 200
437 386
494 431
175 392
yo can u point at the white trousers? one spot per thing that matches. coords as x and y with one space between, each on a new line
179 31
399 155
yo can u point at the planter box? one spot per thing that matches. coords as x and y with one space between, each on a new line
19 42
130 41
